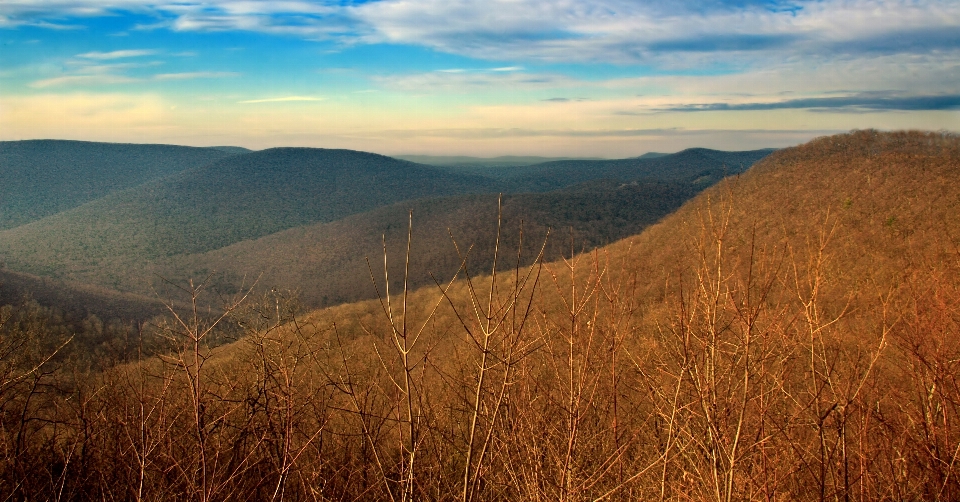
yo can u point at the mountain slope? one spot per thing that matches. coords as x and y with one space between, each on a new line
110 242
237 198
39 178
871 211
77 299
326 264
805 315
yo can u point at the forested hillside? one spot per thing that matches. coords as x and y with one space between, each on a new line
237 198
173 227
39 178
326 263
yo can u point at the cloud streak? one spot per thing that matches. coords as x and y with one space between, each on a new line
284 99
195 74
117 54
83 80
619 31
101 75
458 80
853 103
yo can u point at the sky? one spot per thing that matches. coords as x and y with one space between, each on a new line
598 78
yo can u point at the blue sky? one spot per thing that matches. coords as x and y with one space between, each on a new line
608 78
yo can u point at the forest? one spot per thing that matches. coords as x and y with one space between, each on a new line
786 328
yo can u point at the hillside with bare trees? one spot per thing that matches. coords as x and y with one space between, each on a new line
791 333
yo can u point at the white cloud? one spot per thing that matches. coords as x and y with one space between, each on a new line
117 54
469 81
623 31
195 74
682 33
901 44
283 99
84 80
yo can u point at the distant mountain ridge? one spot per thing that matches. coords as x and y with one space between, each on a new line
39 178
652 155
494 167
691 162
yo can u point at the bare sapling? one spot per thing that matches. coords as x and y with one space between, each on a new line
208 471
495 330
409 398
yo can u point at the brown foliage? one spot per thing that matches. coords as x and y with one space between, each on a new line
789 335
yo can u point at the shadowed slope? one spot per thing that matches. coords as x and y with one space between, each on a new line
113 241
238 198
39 178
326 263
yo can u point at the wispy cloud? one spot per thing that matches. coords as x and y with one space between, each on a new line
83 80
113 74
619 31
857 102
283 99
195 74
464 81
117 54
503 69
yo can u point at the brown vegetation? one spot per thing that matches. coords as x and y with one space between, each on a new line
790 334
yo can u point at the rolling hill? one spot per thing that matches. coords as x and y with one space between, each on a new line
237 198
484 166
479 162
325 262
125 240
40 178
